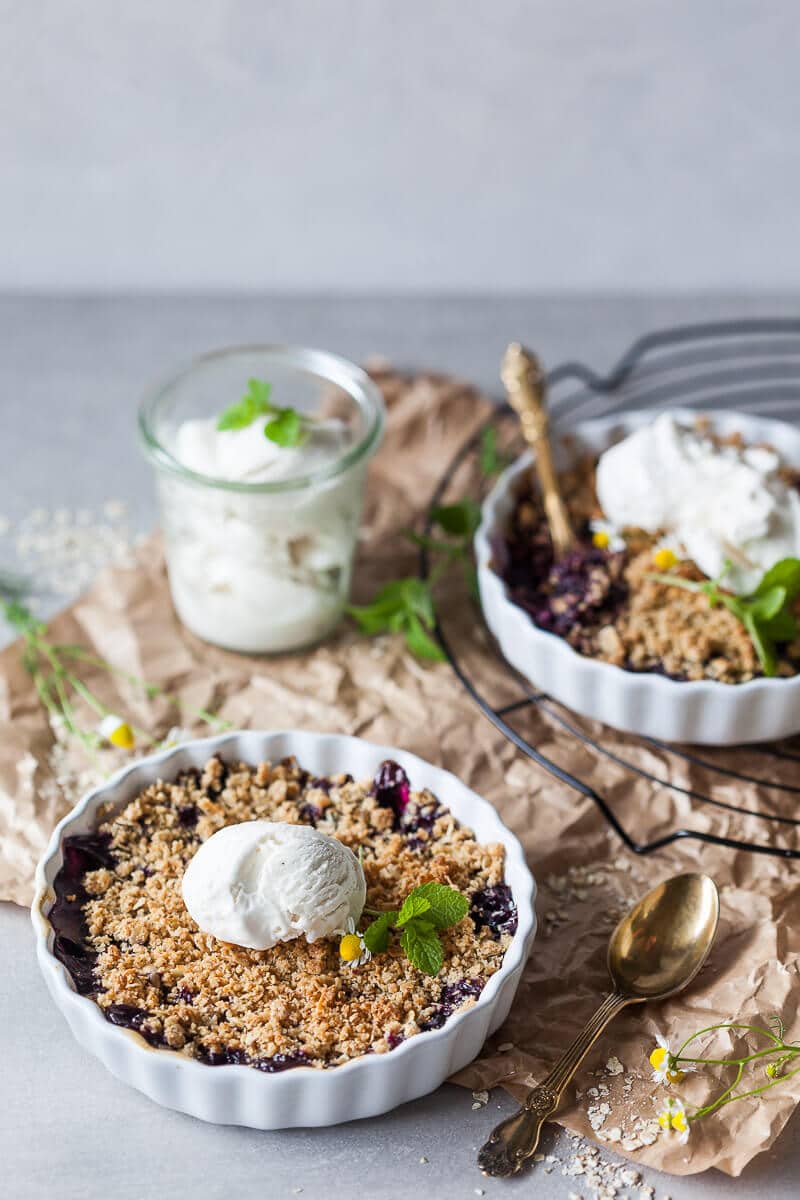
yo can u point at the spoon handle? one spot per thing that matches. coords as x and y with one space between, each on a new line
524 382
514 1140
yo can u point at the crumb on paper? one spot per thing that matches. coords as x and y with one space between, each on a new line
614 1066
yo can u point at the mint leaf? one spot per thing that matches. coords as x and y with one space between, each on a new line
447 906
376 935
784 627
786 574
763 645
255 403
403 606
414 905
421 643
422 947
459 520
767 604
286 429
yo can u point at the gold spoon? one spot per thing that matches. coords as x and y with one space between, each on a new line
655 950
523 379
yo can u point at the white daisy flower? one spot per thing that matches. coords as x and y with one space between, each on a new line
606 536
673 1120
352 948
117 731
667 553
662 1061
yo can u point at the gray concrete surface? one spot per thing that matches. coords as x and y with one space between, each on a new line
521 144
70 375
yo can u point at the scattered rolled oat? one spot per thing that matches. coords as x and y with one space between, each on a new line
63 550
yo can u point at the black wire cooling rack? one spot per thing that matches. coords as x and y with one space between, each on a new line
752 365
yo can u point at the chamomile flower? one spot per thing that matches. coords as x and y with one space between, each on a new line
673 1119
352 948
606 536
117 731
667 553
663 1063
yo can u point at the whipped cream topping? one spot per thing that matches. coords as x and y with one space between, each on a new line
261 572
719 502
247 456
262 882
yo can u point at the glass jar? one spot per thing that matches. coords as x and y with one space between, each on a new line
263 567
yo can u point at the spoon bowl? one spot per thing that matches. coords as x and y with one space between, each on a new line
661 944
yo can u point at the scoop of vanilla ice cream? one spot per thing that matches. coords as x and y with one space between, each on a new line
262 882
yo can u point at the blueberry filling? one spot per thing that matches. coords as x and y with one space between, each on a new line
452 997
418 818
128 1016
570 597
232 1058
82 852
280 1062
391 788
494 908
187 815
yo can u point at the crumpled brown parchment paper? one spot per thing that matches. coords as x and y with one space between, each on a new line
586 877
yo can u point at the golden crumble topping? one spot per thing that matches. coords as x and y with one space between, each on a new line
154 970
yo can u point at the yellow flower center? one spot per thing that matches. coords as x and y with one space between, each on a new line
675 1076
664 559
679 1122
350 947
601 539
658 1058
664 1120
122 736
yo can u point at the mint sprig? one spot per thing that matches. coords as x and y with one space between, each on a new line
406 605
768 613
426 910
254 403
286 428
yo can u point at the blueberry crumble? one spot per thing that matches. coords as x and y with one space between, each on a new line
125 936
610 599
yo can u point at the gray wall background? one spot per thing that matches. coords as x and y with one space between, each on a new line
423 145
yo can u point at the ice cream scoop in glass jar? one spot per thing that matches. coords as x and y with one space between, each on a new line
261 455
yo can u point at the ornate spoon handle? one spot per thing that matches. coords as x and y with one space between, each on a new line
524 383
514 1140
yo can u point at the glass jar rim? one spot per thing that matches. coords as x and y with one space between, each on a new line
330 367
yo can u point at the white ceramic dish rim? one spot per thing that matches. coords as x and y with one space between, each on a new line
175 759
671 688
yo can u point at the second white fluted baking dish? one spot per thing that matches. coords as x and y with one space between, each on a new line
700 711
